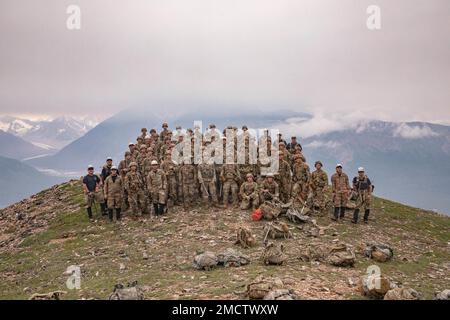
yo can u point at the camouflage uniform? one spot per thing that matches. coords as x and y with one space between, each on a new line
340 187
134 185
207 180
171 171
363 187
157 186
164 134
301 177
245 169
269 191
319 182
114 192
285 179
124 167
188 176
249 193
230 178
141 158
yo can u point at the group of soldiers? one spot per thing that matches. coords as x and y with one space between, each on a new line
150 179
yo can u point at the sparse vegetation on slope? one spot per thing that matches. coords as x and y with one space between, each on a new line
42 236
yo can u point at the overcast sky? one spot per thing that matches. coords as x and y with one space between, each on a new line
310 55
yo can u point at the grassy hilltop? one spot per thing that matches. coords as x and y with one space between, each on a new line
40 237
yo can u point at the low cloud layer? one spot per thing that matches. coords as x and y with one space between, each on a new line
306 55
413 132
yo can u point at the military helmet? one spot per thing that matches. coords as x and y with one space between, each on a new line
133 164
244 127
318 162
154 163
152 130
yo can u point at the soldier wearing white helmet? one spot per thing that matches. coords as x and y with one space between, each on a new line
363 187
114 193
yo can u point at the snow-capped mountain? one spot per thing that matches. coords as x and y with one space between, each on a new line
49 134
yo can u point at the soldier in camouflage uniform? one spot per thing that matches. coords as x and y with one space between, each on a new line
140 142
157 187
188 177
134 185
165 132
141 158
249 193
301 177
284 178
147 163
207 180
286 154
230 178
319 182
124 166
269 189
133 150
363 187
171 170
340 188
143 133
114 193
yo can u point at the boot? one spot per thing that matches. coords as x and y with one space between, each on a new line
156 209
110 214
366 216
355 216
118 214
342 215
161 208
89 212
103 209
336 214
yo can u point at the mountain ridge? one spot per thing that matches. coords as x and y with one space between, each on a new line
40 237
